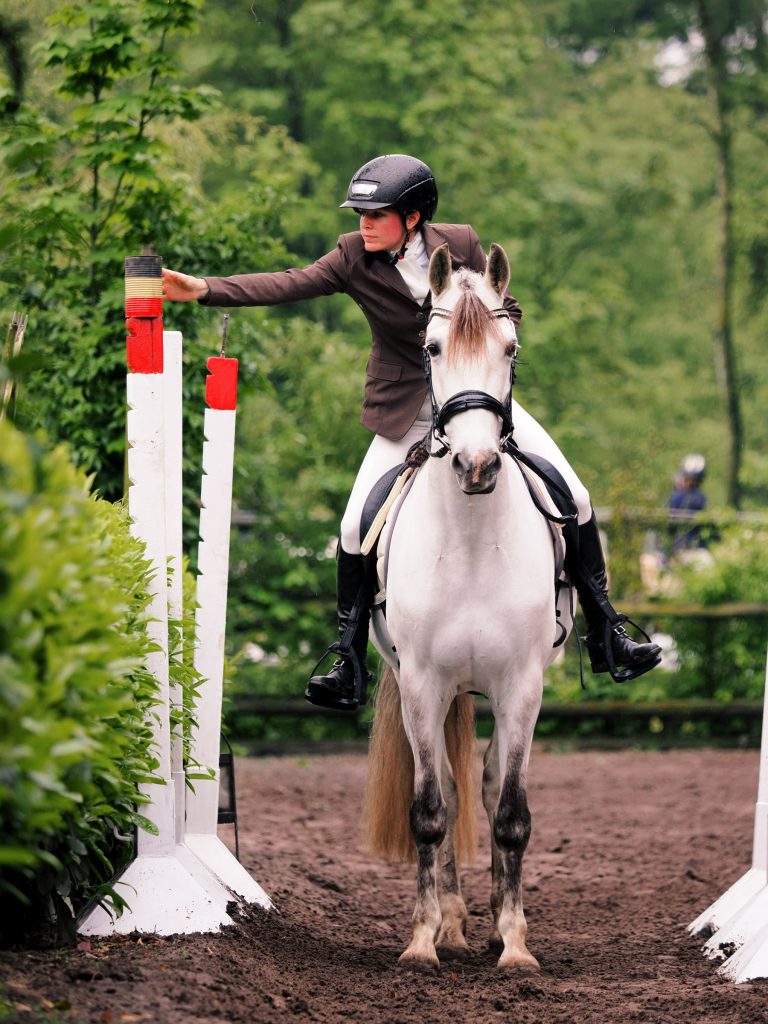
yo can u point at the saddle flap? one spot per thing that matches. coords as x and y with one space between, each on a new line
556 529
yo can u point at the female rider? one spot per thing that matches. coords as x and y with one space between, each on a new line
383 267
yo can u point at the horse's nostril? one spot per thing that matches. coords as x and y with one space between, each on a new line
456 464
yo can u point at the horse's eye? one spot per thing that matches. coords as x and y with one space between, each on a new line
433 348
511 350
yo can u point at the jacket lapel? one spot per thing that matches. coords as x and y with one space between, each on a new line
390 276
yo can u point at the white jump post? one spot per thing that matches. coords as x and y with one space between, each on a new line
736 924
174 548
163 895
174 551
212 583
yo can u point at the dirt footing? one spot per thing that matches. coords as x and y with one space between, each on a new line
627 849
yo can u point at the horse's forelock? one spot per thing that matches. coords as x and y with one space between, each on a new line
471 323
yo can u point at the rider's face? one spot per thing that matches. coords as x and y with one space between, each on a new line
383 229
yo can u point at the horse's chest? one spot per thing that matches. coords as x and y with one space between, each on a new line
477 583
468 591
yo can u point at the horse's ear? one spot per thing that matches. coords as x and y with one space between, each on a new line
440 269
497 270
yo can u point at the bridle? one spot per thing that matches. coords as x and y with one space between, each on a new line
462 401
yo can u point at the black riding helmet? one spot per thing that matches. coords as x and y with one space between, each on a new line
395 180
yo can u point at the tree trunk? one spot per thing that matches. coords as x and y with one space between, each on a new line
725 353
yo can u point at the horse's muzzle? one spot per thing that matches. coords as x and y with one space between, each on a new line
478 474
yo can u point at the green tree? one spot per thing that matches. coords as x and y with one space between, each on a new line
727 50
89 178
443 80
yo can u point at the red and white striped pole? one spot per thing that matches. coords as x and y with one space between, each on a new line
162 894
211 618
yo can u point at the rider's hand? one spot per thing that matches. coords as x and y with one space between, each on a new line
179 287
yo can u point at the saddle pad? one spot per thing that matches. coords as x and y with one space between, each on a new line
387 526
380 518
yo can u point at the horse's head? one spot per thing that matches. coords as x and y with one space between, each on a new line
471 345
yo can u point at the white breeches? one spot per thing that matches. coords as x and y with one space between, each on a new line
383 455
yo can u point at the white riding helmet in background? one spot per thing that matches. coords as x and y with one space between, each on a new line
694 466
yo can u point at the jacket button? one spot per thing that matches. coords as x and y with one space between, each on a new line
419 316
422 334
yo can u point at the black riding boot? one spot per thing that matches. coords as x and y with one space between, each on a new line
338 688
610 648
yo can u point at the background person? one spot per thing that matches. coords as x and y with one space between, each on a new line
688 496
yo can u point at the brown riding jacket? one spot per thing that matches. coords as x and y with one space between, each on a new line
395 387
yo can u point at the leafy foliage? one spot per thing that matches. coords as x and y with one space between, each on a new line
592 168
88 181
727 658
74 693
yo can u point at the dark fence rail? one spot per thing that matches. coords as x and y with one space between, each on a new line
672 711
687 610
649 517
664 516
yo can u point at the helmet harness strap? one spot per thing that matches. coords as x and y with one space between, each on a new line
395 257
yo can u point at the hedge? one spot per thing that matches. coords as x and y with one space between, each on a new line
74 692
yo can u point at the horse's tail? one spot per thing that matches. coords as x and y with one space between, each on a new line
389 789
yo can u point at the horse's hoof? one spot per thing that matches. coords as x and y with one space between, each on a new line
453 950
418 963
519 963
452 943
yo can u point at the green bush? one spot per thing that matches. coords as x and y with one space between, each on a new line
726 656
74 692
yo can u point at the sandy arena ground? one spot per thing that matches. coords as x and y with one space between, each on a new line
627 848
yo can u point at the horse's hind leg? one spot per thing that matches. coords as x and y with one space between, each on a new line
511 829
491 790
451 940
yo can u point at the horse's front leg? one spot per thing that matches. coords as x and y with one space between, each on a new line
511 830
428 819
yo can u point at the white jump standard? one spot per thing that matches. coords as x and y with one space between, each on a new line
211 618
736 924
167 888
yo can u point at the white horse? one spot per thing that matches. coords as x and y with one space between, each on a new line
470 608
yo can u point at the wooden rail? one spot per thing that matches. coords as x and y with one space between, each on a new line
674 710
641 516
688 610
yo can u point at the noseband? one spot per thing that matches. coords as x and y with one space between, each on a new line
462 401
